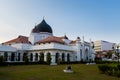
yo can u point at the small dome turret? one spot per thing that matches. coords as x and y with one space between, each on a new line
78 38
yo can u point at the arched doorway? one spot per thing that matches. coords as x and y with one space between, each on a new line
12 56
48 58
63 57
81 54
68 57
41 57
57 57
5 56
36 56
31 57
86 54
24 56
18 56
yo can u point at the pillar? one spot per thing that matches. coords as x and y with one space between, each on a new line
33 57
65 57
9 57
21 57
53 58
45 56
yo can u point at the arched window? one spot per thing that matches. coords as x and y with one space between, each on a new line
56 57
48 58
86 54
36 57
12 56
63 57
41 57
81 53
68 57
5 56
31 57
24 56
18 56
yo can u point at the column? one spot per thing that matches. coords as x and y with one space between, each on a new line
65 57
21 57
83 52
33 57
9 57
28 57
60 56
53 58
45 56
17 56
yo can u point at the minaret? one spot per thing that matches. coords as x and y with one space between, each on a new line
83 49
92 51
78 48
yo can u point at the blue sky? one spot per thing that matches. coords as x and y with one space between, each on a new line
95 19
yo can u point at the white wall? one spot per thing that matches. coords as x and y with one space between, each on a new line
35 37
21 46
106 45
51 46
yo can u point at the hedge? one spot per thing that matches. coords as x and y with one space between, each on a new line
110 70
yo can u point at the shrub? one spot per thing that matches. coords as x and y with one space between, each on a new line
26 59
103 68
48 59
1 60
58 61
118 67
110 70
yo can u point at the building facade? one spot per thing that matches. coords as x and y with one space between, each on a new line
103 48
102 45
42 43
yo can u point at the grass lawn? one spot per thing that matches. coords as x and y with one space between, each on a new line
45 72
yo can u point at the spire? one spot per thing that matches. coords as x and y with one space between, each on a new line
83 38
90 40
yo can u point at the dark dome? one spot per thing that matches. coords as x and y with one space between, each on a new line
42 27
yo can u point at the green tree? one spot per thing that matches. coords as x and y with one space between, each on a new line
41 58
26 59
109 54
58 61
48 59
1 60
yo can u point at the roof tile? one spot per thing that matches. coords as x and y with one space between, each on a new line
19 39
51 39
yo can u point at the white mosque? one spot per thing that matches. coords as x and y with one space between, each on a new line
42 43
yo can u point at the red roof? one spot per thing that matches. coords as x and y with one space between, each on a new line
19 39
73 42
51 39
